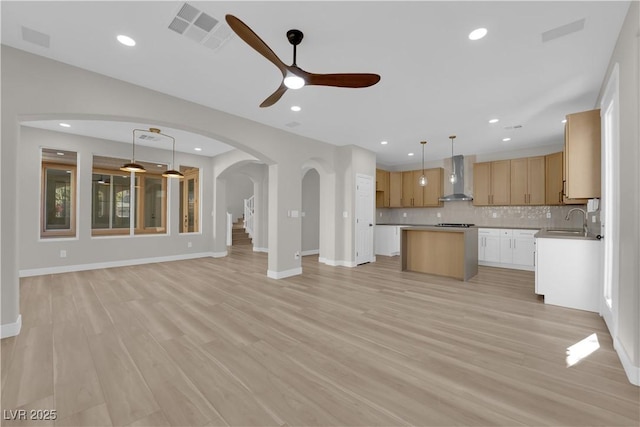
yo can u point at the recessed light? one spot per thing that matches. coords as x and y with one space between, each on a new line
494 121
384 142
564 121
126 40
477 34
295 108
65 125
506 139
198 149
410 154
60 153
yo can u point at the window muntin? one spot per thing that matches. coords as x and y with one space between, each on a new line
58 206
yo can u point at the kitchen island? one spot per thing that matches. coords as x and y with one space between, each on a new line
443 251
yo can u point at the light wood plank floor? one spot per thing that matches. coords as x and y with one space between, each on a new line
214 342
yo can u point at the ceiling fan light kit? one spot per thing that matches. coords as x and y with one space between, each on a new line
294 77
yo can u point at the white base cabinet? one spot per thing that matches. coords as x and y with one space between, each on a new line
387 240
568 272
507 248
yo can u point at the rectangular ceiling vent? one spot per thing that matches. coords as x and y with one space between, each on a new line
563 30
200 27
35 37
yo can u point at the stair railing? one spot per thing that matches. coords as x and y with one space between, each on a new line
248 215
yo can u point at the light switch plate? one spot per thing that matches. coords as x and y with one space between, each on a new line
548 215
404 214
345 214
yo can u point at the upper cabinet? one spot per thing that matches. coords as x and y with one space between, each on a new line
405 191
527 185
582 156
553 178
382 189
434 188
491 183
395 189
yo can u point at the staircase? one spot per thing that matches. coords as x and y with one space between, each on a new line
238 235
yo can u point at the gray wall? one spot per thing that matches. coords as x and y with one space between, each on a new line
311 209
36 88
627 55
239 187
36 253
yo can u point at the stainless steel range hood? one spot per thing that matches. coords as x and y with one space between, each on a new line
458 187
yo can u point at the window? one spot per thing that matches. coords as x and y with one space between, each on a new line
189 200
116 203
58 217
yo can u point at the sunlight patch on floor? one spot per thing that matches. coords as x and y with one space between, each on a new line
582 349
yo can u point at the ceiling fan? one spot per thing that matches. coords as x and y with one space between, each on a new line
294 77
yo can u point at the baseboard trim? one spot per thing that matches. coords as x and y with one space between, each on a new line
508 266
11 329
284 274
257 249
337 263
111 264
632 371
310 252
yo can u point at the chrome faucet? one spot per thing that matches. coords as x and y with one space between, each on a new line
584 224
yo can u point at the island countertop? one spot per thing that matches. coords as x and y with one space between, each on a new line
443 251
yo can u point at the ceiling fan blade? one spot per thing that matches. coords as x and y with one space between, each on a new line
342 80
274 97
245 33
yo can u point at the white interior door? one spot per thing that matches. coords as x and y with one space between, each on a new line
364 219
610 201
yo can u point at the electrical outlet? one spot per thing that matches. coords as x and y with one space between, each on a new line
296 255
404 214
63 253
189 244
345 214
439 215
548 215
380 214
593 218
495 215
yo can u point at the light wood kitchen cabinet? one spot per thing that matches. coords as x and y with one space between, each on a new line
416 196
382 189
491 183
395 189
582 155
407 189
553 178
527 181
434 188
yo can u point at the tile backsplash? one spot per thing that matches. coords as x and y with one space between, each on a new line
490 216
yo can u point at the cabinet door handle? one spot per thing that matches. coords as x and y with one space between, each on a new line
509 243
559 196
514 243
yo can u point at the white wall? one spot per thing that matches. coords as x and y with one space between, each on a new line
39 256
627 55
311 209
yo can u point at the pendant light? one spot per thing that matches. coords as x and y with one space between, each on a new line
133 166
422 181
453 178
170 173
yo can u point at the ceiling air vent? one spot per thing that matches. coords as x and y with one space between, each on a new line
563 30
512 127
200 27
292 124
35 37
